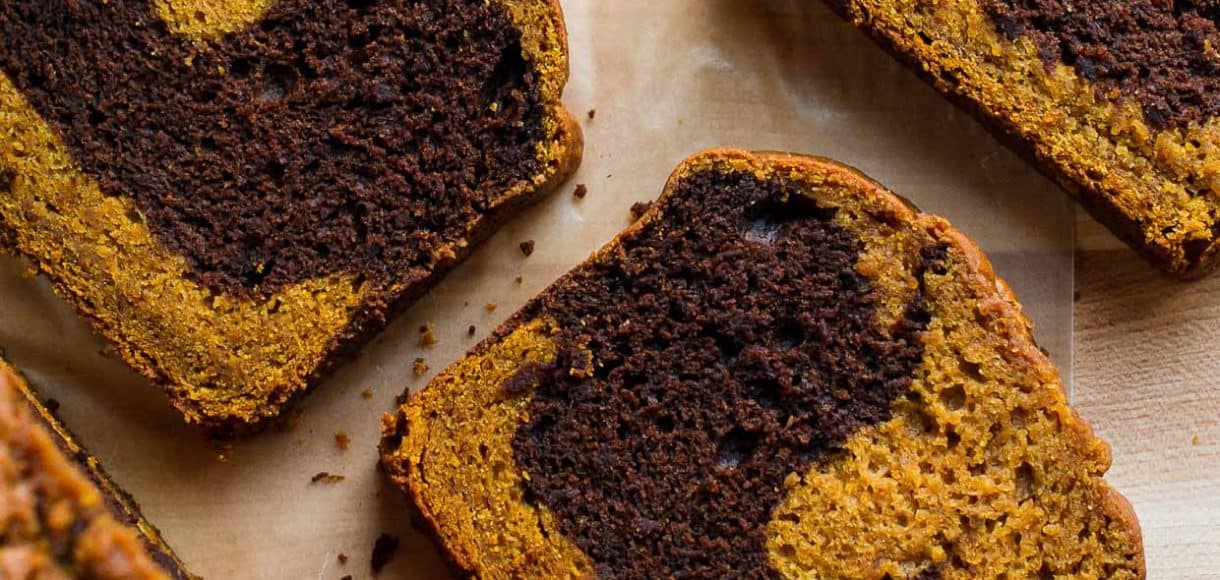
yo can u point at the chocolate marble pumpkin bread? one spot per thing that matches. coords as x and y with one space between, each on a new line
60 516
781 370
238 192
1117 100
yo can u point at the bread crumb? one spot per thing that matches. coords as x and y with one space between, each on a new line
224 452
347 577
342 558
420 368
470 331
383 551
639 208
427 335
326 477
1194 439
519 279
527 248
366 394
342 440
490 306
581 191
592 114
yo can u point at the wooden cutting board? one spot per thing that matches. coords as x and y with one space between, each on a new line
1148 379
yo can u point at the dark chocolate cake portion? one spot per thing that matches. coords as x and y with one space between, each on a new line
327 137
728 344
1161 53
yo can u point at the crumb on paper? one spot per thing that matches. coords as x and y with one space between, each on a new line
519 279
470 331
427 335
342 558
1194 439
490 306
383 551
420 367
326 477
342 440
224 452
592 114
639 208
581 191
347 577
366 394
527 248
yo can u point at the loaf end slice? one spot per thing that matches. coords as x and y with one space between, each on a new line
780 370
1117 102
239 194
61 515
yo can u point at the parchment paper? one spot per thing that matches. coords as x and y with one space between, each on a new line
667 78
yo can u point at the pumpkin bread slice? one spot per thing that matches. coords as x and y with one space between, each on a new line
60 515
1118 101
780 370
238 193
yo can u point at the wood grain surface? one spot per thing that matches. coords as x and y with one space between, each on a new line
1147 377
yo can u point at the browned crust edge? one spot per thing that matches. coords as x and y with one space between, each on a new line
378 308
393 429
980 274
1094 201
122 504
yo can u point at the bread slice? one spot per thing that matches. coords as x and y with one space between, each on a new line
239 193
60 515
1116 101
781 370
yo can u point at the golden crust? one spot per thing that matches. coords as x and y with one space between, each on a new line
440 435
230 364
